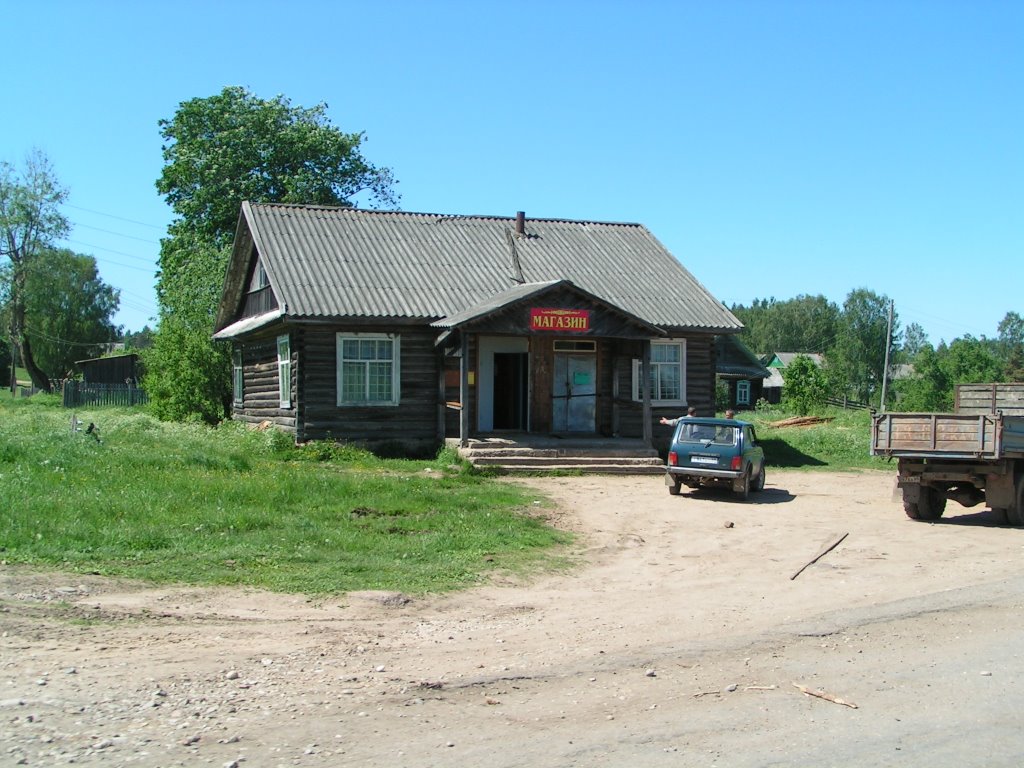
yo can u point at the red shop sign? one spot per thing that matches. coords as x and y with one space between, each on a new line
563 320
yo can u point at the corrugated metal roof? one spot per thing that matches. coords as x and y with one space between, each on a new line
735 359
493 303
329 262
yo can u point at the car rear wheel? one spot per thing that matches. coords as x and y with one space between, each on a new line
744 490
759 480
674 488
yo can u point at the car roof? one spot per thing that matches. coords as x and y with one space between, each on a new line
712 421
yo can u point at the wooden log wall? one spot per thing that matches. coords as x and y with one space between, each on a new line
412 424
700 387
261 396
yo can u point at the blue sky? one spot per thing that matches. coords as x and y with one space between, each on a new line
776 148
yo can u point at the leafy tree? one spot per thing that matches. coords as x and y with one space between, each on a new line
857 360
914 341
139 340
234 146
802 324
30 220
1011 346
937 372
220 151
187 376
929 389
806 386
70 309
971 361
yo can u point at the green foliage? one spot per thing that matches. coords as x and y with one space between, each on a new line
857 359
937 372
30 221
183 502
840 442
803 324
722 395
1011 346
135 341
218 152
187 374
915 340
806 386
187 377
224 149
70 310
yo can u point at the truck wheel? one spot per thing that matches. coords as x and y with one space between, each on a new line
1015 514
929 505
674 488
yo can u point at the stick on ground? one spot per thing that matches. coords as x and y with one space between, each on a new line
820 555
822 695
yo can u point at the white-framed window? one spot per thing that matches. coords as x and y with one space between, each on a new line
668 373
742 392
237 377
284 370
368 368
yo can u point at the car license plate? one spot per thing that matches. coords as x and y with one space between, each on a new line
703 460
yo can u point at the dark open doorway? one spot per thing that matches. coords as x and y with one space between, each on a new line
511 390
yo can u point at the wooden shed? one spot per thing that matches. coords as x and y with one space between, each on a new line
116 369
374 327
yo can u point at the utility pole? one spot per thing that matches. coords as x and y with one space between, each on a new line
888 346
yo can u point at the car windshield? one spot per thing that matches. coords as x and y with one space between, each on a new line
719 434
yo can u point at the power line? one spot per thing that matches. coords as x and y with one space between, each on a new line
116 234
58 340
112 216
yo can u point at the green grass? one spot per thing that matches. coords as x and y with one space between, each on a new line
840 443
186 503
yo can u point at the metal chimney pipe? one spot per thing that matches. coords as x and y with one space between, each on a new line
520 223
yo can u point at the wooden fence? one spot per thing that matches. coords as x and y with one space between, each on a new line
78 394
843 402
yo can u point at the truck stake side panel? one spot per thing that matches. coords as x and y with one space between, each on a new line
974 455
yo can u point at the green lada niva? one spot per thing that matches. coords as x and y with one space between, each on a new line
715 452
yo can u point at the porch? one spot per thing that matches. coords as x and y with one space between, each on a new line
525 452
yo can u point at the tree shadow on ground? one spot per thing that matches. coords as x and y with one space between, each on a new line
781 454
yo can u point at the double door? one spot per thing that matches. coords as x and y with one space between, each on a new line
574 393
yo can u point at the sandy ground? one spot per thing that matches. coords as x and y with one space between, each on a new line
678 639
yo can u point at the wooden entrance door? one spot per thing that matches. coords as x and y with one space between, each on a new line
574 393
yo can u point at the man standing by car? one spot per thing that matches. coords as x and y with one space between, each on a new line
690 413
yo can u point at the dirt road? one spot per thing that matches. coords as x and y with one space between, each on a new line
677 639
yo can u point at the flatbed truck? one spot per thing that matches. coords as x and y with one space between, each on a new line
972 456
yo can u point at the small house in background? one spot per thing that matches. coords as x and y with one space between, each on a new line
106 381
118 369
776 364
741 371
383 327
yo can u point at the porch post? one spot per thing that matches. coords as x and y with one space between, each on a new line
645 377
441 392
464 389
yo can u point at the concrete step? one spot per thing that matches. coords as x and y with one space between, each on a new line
592 469
542 461
499 452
